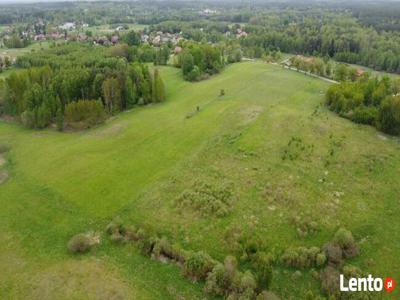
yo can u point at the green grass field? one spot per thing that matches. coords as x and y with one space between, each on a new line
138 164
15 52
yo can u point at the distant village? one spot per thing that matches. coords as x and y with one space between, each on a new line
75 31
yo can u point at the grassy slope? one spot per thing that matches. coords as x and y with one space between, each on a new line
139 163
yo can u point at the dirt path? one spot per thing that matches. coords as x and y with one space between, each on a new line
282 63
312 75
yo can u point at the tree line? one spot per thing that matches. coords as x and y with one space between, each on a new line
369 101
73 83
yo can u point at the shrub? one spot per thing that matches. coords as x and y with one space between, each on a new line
305 227
320 259
84 113
365 115
146 242
163 247
262 264
194 74
115 226
389 115
352 271
225 280
344 238
217 281
198 265
28 119
207 199
4 148
330 281
130 233
117 237
79 243
301 257
334 253
267 295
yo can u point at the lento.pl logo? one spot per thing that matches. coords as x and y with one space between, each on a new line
366 284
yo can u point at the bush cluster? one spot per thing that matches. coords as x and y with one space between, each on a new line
84 113
198 61
330 283
305 227
342 246
302 257
83 242
227 281
198 265
221 279
207 199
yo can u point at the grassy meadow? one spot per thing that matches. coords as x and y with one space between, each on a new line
138 164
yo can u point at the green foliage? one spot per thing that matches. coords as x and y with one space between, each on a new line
330 281
207 199
79 243
64 74
344 238
198 265
84 113
302 257
389 115
158 88
367 101
262 264
112 95
16 42
162 55
365 115
198 60
227 281
132 38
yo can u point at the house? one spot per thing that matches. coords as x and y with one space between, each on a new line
208 12
67 26
241 33
157 40
39 37
144 38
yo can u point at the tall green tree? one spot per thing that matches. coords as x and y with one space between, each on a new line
112 94
158 87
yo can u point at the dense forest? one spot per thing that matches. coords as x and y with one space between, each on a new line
352 33
79 82
368 101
